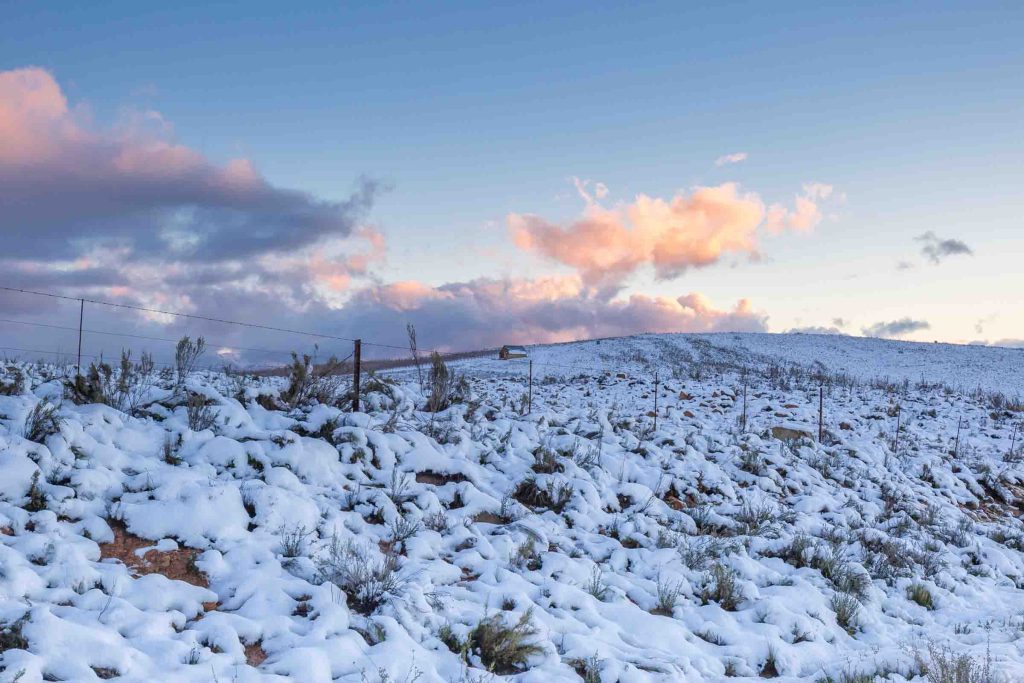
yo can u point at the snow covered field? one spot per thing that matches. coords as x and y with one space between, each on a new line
231 530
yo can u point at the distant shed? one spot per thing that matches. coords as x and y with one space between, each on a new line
508 352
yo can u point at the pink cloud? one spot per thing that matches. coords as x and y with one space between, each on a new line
687 231
68 183
485 312
734 158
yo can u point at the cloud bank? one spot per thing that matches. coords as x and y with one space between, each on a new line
71 186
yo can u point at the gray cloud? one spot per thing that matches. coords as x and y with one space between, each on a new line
935 249
896 328
68 187
814 329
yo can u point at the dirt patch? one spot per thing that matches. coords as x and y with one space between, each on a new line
489 518
179 564
254 654
436 479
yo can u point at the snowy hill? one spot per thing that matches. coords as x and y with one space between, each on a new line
236 528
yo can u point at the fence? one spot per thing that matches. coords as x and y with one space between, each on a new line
75 331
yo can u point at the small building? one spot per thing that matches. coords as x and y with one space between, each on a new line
508 352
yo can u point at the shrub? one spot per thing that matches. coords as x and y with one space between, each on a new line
293 540
504 649
946 666
596 584
368 584
721 586
124 389
16 385
11 636
200 415
41 422
186 355
697 553
445 387
919 593
437 521
551 496
37 499
846 608
402 529
668 596
308 381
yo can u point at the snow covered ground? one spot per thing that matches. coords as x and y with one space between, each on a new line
219 533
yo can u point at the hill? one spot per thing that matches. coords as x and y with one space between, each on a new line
233 528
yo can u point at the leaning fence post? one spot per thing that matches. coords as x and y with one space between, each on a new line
356 355
956 444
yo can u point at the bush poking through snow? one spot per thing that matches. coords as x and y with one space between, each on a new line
367 583
444 386
186 355
919 593
846 608
11 636
16 385
36 497
668 596
721 586
200 415
596 585
504 649
551 496
946 666
124 389
293 540
308 381
41 422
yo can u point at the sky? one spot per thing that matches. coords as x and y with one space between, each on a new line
527 172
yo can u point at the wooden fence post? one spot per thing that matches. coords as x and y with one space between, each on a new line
530 405
81 317
821 413
655 400
356 362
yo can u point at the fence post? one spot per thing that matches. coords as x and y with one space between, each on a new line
530 408
655 400
956 444
821 412
81 317
743 427
896 441
356 357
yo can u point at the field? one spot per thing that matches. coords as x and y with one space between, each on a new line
203 526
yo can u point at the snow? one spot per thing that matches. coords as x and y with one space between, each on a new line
614 536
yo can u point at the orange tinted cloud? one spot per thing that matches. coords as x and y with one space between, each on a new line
692 230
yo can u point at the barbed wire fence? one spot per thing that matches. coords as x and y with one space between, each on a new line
72 332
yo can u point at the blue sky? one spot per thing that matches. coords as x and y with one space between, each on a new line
911 112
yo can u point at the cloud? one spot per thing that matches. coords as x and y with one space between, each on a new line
607 245
839 322
814 329
936 249
487 312
896 328
734 158
599 192
71 186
